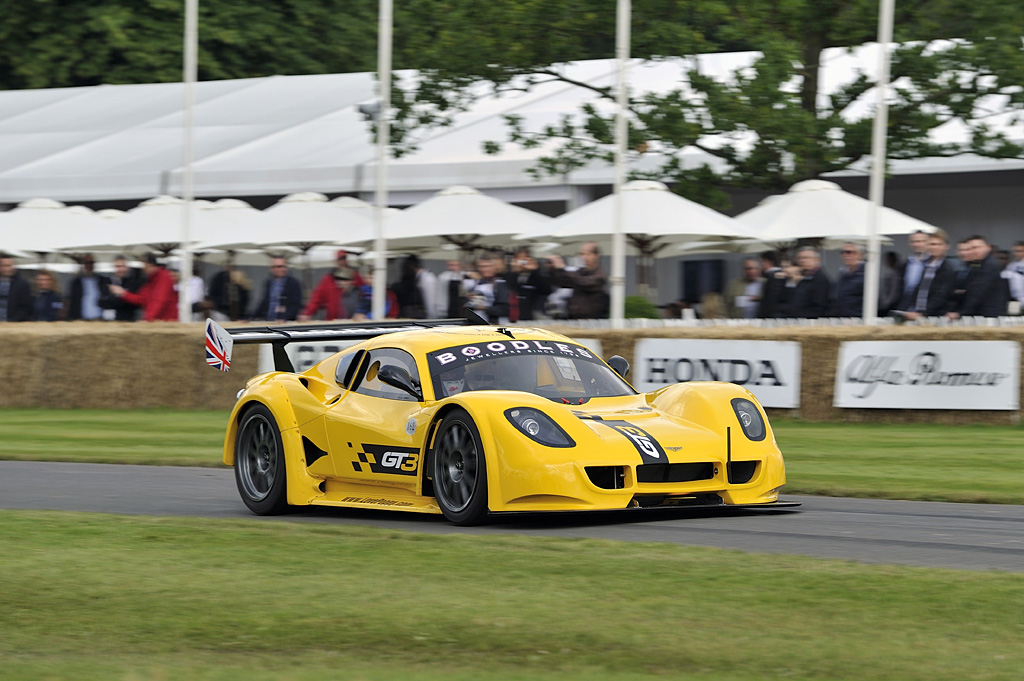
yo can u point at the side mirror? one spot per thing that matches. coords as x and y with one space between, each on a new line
619 363
397 377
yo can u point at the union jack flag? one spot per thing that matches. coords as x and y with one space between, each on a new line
218 353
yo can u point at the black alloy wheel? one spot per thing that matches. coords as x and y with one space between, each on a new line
259 462
460 470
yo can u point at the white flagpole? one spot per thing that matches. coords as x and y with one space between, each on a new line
380 264
618 276
876 190
187 189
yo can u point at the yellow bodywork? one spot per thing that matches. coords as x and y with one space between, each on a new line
332 436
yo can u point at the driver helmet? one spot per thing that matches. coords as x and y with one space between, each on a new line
453 381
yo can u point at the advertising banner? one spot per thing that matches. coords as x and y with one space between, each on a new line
769 369
928 375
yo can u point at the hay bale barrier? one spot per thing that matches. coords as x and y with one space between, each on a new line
112 365
126 366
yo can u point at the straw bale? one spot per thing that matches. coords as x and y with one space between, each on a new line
124 365
115 365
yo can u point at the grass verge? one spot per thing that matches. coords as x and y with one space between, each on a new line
99 597
919 462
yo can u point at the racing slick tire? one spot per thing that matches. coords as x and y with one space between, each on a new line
259 463
460 470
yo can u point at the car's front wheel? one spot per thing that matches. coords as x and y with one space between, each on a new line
259 462
460 470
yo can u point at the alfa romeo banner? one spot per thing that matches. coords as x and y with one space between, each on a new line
769 369
928 375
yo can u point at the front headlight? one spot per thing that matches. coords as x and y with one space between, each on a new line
539 427
750 419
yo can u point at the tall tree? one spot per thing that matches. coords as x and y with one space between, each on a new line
768 123
62 43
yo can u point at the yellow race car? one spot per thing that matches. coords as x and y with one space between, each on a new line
469 420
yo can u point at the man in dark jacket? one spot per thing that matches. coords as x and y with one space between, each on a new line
529 287
850 285
985 292
15 293
282 294
774 292
934 294
812 294
589 299
87 290
913 266
131 280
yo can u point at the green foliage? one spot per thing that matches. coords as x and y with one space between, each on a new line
767 123
639 307
51 43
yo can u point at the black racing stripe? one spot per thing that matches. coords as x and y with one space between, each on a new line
650 450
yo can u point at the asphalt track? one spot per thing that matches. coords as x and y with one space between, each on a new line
959 536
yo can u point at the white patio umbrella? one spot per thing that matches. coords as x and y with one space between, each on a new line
304 222
44 226
818 209
461 217
308 219
155 224
654 218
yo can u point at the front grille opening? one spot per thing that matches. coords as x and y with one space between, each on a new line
665 500
741 472
674 472
607 477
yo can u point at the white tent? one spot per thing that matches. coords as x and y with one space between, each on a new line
817 209
283 134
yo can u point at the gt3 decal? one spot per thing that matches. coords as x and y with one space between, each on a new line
389 460
649 449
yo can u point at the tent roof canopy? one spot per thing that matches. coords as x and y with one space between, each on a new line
283 134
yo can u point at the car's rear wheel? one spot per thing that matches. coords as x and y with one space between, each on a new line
460 470
259 462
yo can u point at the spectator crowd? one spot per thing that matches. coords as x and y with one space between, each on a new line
979 281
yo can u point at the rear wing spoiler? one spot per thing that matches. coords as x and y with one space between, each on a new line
221 341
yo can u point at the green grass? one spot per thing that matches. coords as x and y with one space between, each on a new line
160 437
982 464
97 597
921 462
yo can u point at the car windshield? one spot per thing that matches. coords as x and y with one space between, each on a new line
563 372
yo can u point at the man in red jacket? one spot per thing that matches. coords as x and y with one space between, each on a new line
338 292
157 297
